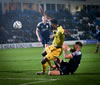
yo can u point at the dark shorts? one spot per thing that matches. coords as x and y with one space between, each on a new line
98 38
45 41
66 69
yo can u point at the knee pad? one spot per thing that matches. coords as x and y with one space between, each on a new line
43 61
44 53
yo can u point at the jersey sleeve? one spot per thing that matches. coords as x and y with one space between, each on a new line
38 26
60 29
74 54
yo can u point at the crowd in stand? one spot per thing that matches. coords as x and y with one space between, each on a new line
79 22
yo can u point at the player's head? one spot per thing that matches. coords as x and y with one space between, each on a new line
44 19
54 23
97 26
78 46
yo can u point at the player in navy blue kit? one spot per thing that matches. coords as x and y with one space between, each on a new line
43 31
66 68
98 37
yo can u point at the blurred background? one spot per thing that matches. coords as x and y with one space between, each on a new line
79 17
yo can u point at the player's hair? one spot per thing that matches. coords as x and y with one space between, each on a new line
43 17
79 43
98 25
54 21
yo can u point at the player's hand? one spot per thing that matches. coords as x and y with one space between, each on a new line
66 32
64 47
51 36
39 39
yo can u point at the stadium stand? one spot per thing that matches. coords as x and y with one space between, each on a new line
77 24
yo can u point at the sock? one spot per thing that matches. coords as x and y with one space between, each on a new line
57 65
49 64
44 67
97 48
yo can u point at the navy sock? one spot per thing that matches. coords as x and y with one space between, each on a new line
97 48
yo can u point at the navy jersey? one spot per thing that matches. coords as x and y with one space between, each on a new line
75 61
44 30
98 34
72 65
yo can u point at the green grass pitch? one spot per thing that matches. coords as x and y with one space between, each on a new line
19 67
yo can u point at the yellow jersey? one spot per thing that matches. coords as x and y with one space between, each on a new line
58 37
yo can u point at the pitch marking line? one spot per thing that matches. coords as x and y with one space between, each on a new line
16 79
40 80
45 80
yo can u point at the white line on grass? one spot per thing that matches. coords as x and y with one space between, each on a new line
16 79
39 80
24 79
45 80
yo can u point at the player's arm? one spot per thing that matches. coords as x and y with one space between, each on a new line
53 35
38 35
66 32
45 14
49 18
67 56
67 48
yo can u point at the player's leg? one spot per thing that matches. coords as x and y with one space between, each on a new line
54 73
57 66
46 45
46 41
44 53
54 56
57 63
44 61
48 55
97 47
44 66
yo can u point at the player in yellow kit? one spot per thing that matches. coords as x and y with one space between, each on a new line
54 50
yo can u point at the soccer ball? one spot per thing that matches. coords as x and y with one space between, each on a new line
17 25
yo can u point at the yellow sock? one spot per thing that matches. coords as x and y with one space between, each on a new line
44 67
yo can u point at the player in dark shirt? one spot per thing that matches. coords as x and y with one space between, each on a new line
66 68
98 37
43 31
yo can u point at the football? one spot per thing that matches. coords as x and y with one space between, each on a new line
17 25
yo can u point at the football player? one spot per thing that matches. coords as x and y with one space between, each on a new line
66 68
98 37
54 50
43 32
